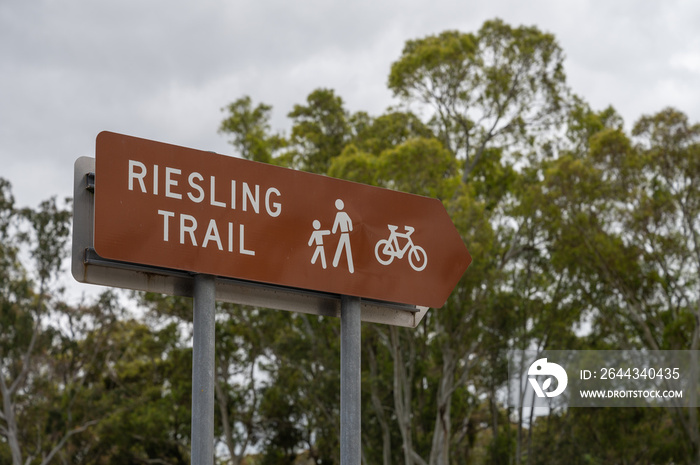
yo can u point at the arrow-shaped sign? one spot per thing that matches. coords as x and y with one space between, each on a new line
163 205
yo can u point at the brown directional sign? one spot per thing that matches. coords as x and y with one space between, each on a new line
167 206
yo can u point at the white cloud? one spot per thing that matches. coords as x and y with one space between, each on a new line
686 61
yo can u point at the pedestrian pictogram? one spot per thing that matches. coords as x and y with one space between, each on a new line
387 249
342 224
317 239
342 227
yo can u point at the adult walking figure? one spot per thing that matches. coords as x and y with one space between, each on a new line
344 224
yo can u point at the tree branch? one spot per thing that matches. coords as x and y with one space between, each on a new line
417 458
24 372
223 410
65 438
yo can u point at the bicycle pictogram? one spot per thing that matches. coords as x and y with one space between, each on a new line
387 249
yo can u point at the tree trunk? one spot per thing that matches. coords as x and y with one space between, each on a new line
404 372
440 449
693 412
225 424
402 397
378 408
11 423
529 430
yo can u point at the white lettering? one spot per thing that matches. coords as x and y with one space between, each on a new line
277 206
155 179
191 228
139 176
212 234
190 179
166 216
233 195
171 182
254 201
212 191
242 249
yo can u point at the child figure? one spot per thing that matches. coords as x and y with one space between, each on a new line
317 238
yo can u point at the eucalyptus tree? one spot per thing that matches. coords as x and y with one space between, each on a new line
500 86
622 218
488 104
250 129
41 377
494 98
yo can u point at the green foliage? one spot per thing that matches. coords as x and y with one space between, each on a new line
620 435
419 166
50 226
422 66
319 133
40 371
249 127
355 165
145 396
80 383
388 131
502 85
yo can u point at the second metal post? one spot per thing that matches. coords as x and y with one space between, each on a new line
350 358
202 434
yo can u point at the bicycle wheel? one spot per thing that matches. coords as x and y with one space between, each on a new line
384 252
418 258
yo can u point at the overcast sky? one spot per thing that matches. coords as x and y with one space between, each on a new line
162 69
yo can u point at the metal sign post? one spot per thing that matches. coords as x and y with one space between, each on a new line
350 375
203 367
